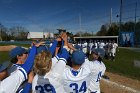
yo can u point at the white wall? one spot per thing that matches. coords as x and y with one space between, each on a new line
39 35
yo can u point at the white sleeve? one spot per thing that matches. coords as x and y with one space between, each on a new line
58 69
54 61
90 65
12 83
104 69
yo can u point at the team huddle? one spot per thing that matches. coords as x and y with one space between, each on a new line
60 68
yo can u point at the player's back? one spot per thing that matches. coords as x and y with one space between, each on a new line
96 76
47 84
77 83
51 82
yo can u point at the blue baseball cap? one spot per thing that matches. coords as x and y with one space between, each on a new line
4 65
17 51
78 57
42 48
78 47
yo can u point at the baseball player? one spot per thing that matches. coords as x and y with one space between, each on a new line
98 71
48 78
18 56
113 50
90 45
53 74
12 83
41 48
77 78
84 47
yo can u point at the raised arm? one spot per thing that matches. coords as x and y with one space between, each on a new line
60 65
53 47
30 60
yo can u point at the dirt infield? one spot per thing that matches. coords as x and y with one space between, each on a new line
7 48
119 84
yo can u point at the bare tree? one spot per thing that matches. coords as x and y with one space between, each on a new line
19 33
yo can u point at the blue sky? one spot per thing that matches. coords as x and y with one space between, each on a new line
48 15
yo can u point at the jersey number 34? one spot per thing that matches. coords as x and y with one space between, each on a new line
77 89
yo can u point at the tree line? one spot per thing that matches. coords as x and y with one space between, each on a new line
14 33
115 28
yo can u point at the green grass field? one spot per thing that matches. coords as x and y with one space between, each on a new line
122 65
3 56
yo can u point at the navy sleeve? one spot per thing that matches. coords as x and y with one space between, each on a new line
30 60
60 49
53 47
62 45
62 42
27 88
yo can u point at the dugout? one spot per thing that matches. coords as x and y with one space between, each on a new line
96 38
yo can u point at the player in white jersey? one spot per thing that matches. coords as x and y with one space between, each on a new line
96 44
84 47
12 83
90 45
98 71
113 50
77 78
48 79
28 85
101 45
17 55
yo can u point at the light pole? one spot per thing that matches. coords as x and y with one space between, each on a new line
120 22
120 16
80 26
119 25
135 41
0 34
